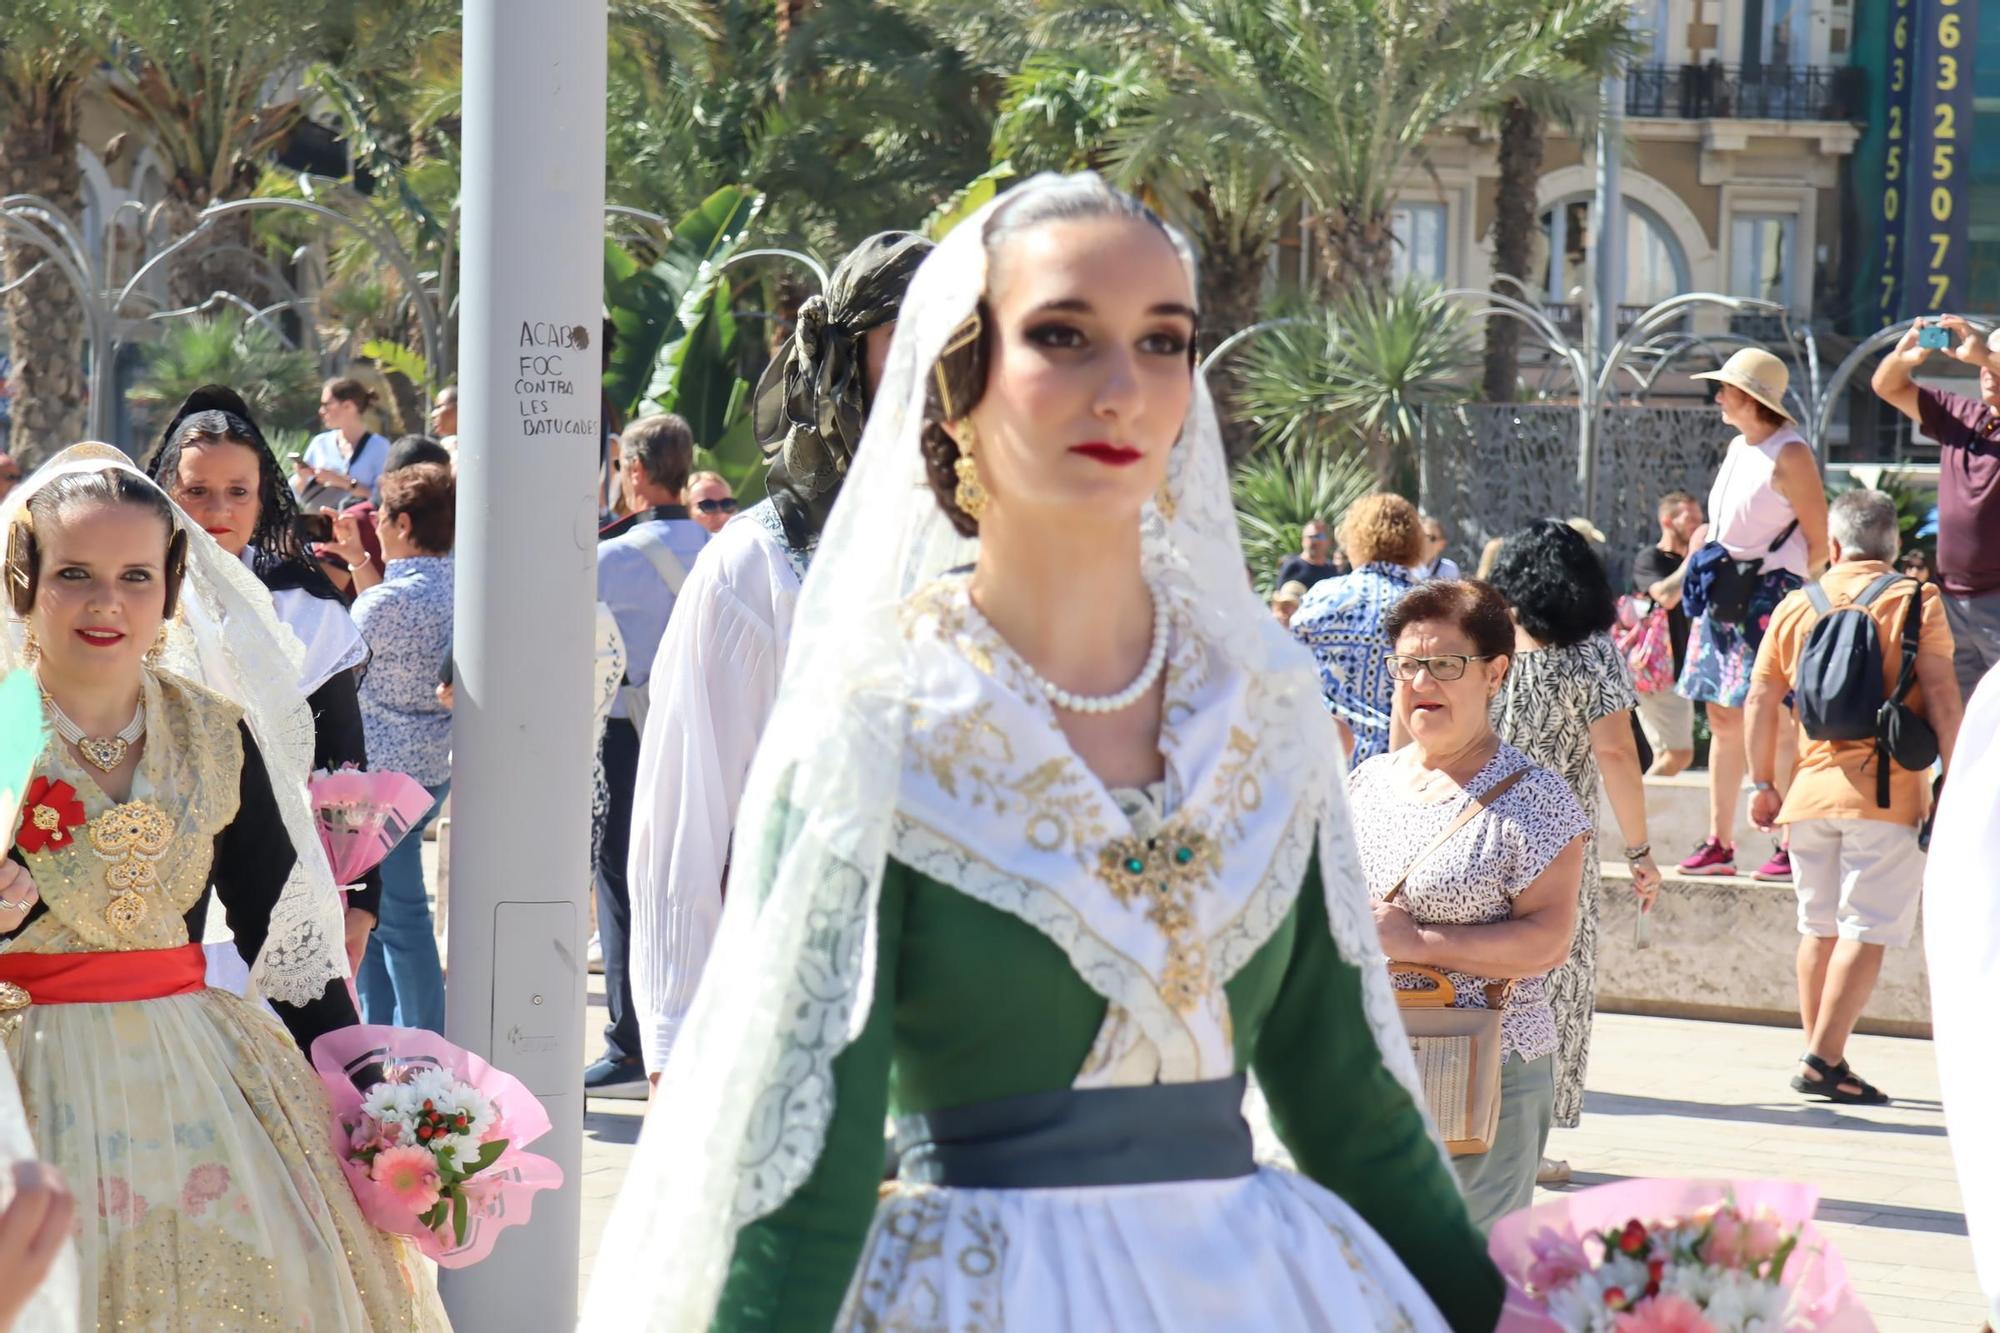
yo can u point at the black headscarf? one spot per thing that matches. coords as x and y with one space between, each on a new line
279 558
812 401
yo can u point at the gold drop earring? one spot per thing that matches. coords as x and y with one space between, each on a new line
31 647
158 650
970 496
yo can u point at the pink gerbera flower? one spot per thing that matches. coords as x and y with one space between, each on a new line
1665 1314
410 1175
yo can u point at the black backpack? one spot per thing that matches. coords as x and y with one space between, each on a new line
1840 689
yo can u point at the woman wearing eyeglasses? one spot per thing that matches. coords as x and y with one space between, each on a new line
1496 901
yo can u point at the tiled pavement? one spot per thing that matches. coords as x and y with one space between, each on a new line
1670 1097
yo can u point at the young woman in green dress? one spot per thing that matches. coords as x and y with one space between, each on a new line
1045 851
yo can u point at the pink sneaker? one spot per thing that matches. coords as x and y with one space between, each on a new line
1711 858
1777 870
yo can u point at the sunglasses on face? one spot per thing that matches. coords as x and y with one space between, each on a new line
716 506
1448 667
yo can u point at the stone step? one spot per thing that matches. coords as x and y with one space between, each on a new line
1677 821
1725 948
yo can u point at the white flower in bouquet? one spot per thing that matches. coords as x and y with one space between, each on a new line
1741 1303
436 1087
1579 1308
379 1102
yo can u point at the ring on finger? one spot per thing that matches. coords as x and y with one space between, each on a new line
11 906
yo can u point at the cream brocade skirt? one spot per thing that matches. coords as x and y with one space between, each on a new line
1270 1251
196 1139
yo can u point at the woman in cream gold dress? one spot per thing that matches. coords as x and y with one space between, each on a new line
185 1116
1044 858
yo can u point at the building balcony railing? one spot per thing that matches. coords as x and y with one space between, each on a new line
1743 92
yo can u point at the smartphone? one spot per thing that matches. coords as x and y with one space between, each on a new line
1934 337
1642 929
314 527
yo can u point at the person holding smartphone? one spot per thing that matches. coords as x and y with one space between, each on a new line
1967 431
345 461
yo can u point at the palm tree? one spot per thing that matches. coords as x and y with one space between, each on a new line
280 383
43 64
1358 374
1277 492
1566 96
216 85
1102 109
1346 93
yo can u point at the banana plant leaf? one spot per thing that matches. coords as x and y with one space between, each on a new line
650 307
696 377
22 735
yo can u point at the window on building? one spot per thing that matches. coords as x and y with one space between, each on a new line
1657 21
1419 230
1761 255
1655 266
1775 32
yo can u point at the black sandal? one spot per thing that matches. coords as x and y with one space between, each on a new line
1829 1085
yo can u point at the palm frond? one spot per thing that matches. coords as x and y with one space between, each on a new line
1278 493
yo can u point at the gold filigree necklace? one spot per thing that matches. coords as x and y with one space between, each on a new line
102 752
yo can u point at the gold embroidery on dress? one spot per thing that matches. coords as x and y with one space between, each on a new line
128 880
1166 870
131 839
968 753
900 1288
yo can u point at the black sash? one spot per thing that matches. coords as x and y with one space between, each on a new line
1070 1137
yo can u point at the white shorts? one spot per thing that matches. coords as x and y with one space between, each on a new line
1860 879
1668 721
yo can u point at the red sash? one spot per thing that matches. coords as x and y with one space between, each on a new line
106 978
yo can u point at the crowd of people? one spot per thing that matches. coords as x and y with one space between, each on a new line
958 782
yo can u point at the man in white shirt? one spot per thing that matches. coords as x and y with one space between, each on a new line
1437 565
642 568
716 676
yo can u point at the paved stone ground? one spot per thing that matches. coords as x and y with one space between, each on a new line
1670 1097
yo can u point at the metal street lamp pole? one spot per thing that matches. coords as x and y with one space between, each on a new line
533 207
1607 236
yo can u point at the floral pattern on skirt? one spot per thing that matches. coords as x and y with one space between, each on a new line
1720 654
197 1140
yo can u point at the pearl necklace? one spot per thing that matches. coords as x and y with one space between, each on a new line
106 752
1149 674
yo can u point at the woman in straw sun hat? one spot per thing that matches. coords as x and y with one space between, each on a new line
1768 505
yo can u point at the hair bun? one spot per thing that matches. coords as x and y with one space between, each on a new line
214 398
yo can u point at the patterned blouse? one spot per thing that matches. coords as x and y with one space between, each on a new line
406 619
1474 878
1341 621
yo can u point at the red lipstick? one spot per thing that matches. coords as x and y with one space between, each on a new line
1111 455
98 637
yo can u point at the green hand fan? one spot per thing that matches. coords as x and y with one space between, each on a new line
22 736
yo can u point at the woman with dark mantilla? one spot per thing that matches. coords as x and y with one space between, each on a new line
215 463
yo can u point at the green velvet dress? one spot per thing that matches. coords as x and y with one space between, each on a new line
1119 957
972 1003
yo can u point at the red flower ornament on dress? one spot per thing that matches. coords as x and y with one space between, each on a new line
49 815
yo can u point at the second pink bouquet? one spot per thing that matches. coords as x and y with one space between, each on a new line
433 1149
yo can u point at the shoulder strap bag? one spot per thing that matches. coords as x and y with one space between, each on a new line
1457 1050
